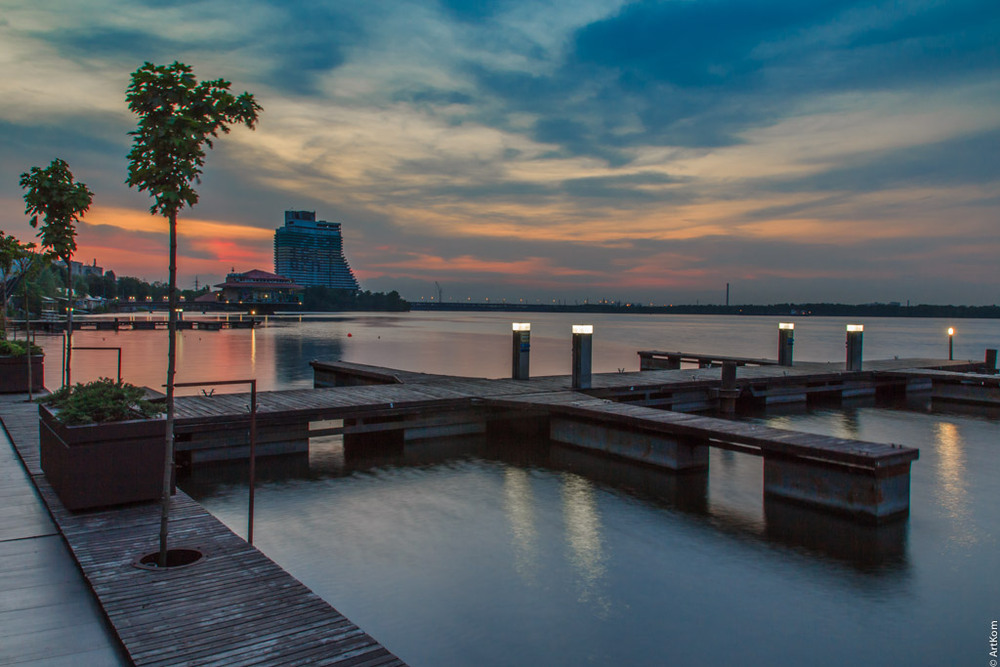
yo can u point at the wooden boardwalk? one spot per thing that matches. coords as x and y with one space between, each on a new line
234 607
48 616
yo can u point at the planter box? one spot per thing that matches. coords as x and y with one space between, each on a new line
97 465
14 374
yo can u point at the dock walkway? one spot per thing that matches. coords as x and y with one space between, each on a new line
234 607
48 616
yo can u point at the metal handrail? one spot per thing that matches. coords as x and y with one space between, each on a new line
106 348
253 437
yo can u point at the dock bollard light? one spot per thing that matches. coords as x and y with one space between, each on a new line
521 354
786 340
855 332
583 335
951 343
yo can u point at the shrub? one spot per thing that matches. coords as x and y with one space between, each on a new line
101 401
12 348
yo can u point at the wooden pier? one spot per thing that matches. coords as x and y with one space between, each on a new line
143 324
233 607
382 406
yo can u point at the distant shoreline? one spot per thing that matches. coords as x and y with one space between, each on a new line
781 309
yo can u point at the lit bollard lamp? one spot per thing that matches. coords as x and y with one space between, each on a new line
951 343
521 355
583 335
786 341
855 332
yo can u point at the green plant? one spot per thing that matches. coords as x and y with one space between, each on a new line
10 348
55 200
101 401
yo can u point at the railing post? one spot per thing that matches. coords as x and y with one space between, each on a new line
253 456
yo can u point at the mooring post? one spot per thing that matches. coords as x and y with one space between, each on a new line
854 344
583 335
991 360
786 340
521 354
728 393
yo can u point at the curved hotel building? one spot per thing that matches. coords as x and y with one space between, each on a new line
311 252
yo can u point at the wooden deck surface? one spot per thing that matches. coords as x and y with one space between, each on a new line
48 616
418 391
235 607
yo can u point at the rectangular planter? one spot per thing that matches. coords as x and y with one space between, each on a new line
99 465
14 374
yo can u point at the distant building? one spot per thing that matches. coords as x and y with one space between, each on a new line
258 288
311 252
80 269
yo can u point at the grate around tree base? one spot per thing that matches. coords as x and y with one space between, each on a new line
176 558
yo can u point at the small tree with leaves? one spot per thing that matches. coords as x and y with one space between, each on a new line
10 249
58 202
178 117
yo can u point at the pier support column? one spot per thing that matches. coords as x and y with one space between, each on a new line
658 449
728 393
870 494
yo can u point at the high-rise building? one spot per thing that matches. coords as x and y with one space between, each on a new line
311 252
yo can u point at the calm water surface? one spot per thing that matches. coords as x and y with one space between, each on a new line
511 553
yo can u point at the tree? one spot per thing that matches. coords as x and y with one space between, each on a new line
9 250
178 116
13 255
53 196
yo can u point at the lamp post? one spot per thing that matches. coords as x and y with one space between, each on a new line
583 335
521 350
786 340
951 343
855 332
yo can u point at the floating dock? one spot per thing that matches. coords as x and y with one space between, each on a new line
641 416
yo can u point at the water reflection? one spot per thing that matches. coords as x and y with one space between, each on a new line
951 489
866 547
253 352
686 491
583 537
519 505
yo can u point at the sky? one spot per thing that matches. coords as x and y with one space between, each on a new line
649 152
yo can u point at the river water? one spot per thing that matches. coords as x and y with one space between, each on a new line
467 552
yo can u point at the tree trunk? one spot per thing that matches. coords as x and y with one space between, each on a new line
27 334
69 318
168 456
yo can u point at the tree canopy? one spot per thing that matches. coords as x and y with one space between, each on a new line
53 198
178 116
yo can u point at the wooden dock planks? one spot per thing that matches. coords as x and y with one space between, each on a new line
235 607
